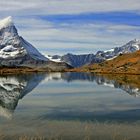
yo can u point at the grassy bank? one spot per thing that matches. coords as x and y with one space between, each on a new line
74 130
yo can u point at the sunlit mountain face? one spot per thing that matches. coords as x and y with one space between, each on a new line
13 47
98 57
16 52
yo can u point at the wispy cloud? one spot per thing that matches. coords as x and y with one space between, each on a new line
69 6
128 18
78 26
85 38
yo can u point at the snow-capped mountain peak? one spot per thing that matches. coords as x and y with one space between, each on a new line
100 56
6 22
14 50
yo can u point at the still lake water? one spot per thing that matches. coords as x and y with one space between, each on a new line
69 106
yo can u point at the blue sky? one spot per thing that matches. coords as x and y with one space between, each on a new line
74 26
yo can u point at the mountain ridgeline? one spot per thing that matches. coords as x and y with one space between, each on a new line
100 56
123 64
17 52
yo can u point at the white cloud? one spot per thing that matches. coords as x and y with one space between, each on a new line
67 6
85 38
63 38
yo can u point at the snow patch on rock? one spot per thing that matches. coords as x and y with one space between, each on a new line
52 59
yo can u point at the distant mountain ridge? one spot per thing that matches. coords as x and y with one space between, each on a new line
123 64
17 52
100 56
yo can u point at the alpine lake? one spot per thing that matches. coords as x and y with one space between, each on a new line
69 106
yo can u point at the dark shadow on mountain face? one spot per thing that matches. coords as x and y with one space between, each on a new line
15 87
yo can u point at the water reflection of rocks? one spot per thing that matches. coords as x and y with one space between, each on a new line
13 88
128 83
123 82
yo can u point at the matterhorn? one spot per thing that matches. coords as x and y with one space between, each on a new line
17 52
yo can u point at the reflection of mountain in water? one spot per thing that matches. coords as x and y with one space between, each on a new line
124 82
77 76
102 109
13 88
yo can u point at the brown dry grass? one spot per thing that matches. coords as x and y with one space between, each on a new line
123 79
75 130
21 70
127 63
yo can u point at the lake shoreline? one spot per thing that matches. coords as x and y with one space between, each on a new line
4 71
24 70
102 72
20 70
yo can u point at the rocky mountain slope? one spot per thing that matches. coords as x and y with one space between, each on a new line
17 52
100 56
126 63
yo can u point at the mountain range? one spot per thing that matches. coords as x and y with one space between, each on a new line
17 52
126 63
100 56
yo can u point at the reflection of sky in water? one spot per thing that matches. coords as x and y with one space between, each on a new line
78 99
75 96
49 103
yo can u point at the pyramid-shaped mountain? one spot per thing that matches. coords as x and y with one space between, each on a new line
17 52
